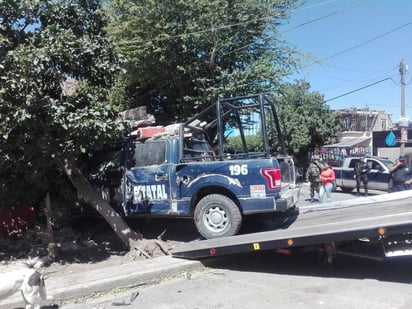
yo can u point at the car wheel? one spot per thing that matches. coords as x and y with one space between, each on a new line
217 215
346 189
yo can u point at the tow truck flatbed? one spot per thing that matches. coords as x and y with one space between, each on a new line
378 217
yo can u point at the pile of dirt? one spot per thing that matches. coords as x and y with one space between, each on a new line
88 241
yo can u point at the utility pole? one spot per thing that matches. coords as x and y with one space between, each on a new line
403 123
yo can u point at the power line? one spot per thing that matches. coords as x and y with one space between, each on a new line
166 37
293 28
358 45
324 16
300 25
361 88
211 29
368 41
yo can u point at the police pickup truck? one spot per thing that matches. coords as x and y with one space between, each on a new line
379 177
216 168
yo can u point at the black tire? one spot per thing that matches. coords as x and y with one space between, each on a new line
346 189
216 216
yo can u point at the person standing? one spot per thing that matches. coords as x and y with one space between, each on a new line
313 175
327 178
401 175
360 173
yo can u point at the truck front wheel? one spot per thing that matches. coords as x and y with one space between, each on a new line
216 216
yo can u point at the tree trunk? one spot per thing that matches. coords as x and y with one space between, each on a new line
90 195
49 218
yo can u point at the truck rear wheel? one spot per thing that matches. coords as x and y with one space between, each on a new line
216 215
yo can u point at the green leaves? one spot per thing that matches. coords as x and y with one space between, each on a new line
181 56
45 47
305 118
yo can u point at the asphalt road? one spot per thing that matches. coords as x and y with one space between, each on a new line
273 280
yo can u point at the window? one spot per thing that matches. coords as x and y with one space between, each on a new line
353 163
376 165
146 154
346 123
362 124
197 150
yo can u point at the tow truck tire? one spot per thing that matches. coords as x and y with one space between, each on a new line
216 215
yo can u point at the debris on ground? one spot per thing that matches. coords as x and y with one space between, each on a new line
88 241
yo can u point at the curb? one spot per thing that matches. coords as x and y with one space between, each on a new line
353 202
105 279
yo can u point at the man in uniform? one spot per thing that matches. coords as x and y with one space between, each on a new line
401 175
313 175
360 173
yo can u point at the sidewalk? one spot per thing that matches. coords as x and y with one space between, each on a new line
86 279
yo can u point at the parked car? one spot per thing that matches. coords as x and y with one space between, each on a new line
379 176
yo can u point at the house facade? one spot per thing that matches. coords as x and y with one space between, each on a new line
365 120
358 135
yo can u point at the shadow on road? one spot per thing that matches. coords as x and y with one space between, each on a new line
306 262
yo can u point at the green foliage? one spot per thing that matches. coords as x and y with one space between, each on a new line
44 43
181 55
306 120
254 143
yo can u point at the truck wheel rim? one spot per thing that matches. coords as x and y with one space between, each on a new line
216 219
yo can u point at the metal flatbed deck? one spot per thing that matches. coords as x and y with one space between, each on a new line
374 217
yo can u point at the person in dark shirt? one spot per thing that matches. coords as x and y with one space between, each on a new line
360 173
401 175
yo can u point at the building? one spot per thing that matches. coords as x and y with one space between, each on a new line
365 120
387 144
358 128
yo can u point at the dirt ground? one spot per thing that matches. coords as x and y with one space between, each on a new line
85 244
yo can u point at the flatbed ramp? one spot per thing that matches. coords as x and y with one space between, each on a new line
378 217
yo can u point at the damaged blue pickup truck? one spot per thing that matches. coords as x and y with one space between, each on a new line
215 168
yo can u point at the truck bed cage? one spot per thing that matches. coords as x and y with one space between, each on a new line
258 109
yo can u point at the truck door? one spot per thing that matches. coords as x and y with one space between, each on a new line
147 178
347 174
378 176
105 170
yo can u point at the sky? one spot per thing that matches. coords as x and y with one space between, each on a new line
359 45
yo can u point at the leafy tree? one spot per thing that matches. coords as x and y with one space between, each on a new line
306 120
43 44
181 55
254 142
